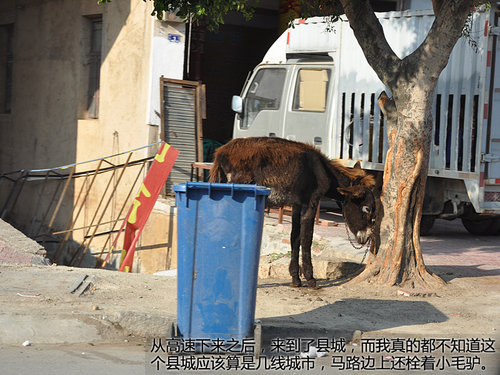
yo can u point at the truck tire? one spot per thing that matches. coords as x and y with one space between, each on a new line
495 227
426 224
482 227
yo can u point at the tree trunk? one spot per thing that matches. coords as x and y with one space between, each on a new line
397 257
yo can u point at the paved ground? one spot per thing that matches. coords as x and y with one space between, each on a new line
55 307
449 246
131 359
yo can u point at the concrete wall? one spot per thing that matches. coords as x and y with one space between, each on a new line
44 50
48 125
157 248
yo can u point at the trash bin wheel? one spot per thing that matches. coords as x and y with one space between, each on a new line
257 334
173 330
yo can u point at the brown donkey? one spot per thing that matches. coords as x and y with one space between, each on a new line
299 176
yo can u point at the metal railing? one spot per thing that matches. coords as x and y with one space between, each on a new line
57 187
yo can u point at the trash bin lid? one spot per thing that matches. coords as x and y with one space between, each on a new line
216 186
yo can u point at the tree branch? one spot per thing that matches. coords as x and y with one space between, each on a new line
442 37
371 38
388 107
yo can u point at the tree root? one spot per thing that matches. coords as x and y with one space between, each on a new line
424 280
368 274
373 274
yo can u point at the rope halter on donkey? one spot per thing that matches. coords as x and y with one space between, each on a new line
352 241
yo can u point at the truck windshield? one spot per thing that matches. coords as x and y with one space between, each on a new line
264 93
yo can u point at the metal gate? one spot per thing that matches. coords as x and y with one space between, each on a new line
183 108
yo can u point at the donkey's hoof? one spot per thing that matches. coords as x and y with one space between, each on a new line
296 283
312 284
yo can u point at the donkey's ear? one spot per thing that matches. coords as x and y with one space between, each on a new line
352 191
344 191
357 165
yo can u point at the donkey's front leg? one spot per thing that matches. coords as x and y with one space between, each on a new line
295 243
306 236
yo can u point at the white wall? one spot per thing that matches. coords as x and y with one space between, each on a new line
167 59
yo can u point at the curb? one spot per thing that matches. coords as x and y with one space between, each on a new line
17 248
9 255
61 328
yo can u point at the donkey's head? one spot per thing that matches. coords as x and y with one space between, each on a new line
359 202
359 211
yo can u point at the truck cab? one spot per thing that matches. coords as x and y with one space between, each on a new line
289 101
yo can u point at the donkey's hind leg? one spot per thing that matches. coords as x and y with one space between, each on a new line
306 236
295 244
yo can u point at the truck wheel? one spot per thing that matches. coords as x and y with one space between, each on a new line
426 224
481 227
495 227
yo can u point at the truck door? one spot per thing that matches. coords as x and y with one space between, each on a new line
307 109
262 104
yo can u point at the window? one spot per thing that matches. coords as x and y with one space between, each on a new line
311 90
6 61
264 94
94 67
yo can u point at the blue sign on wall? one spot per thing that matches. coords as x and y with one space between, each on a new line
174 38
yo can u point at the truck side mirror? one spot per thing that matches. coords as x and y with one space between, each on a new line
237 104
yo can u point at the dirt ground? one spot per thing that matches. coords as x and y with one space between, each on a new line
344 308
141 305
467 306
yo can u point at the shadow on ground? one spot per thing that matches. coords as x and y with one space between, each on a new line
448 273
347 317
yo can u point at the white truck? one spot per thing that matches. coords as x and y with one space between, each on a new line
314 85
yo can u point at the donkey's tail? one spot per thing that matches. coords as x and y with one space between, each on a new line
216 173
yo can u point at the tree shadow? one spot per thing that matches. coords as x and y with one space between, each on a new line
321 283
448 273
342 319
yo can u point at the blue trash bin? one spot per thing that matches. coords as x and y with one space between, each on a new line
219 230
